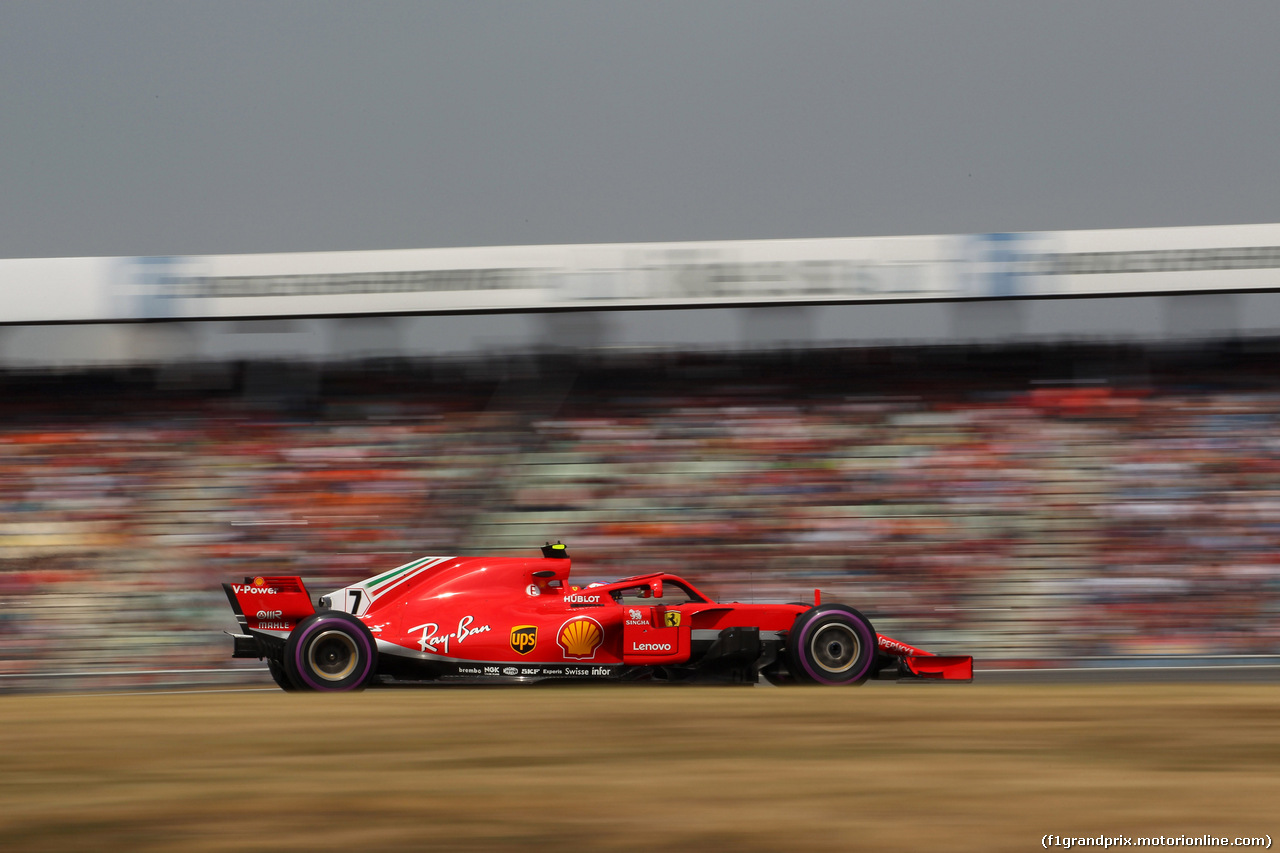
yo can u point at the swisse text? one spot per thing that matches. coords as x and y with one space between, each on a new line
650 647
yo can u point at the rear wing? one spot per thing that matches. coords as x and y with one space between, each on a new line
272 604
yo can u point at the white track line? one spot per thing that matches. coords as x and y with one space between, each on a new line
170 692
93 672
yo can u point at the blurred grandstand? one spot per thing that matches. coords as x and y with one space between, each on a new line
1028 504
1039 448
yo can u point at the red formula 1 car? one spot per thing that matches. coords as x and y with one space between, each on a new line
511 619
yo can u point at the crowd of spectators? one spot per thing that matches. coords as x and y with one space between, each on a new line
995 503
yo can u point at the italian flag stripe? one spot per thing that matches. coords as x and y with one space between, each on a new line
391 574
379 585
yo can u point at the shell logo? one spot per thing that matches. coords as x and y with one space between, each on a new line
259 582
579 638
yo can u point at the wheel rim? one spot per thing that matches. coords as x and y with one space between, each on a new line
333 655
835 647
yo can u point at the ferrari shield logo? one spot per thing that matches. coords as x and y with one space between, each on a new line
671 619
524 638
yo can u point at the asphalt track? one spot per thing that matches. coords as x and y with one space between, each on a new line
1261 669
1241 673
1247 674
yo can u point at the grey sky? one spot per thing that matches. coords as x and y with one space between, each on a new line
190 128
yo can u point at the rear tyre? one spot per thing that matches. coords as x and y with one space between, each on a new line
330 651
280 677
831 644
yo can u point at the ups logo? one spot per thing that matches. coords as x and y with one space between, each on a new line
524 638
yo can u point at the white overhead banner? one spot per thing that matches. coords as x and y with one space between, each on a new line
643 275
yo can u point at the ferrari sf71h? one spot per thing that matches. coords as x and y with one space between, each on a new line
519 620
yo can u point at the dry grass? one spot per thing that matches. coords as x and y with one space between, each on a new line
885 767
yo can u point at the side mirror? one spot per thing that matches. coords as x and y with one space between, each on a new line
656 588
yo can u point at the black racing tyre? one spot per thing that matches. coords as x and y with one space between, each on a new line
831 644
279 676
330 651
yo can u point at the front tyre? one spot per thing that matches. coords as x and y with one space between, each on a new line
330 651
832 644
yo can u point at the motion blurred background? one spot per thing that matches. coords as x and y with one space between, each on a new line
1042 447
1036 498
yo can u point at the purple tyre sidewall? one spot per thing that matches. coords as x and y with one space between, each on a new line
299 654
865 636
